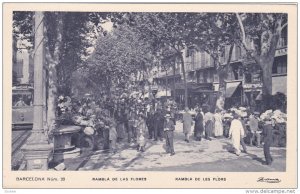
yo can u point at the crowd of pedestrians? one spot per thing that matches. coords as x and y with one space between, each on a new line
139 121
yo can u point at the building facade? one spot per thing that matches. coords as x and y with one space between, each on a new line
244 76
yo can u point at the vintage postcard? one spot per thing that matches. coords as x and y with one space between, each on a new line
145 95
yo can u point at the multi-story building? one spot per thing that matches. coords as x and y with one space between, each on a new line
244 77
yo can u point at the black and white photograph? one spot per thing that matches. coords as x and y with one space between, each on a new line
154 91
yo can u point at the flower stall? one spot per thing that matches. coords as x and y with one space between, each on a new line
279 131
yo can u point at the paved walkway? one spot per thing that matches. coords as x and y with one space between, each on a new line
194 156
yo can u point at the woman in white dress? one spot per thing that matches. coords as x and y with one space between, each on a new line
236 131
218 124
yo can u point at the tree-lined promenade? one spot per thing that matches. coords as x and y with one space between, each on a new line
80 56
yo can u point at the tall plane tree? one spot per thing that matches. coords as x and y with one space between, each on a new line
117 56
264 31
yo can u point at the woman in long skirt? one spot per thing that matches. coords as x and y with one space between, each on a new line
198 130
218 124
141 133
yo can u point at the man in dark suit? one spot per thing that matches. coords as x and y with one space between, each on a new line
158 125
169 128
150 123
268 137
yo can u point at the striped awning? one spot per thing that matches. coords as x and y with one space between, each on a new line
230 88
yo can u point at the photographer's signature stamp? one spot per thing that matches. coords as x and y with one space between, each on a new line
268 180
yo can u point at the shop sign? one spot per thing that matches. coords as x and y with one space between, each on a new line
249 87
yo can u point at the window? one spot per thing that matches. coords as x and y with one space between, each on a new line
201 77
205 77
196 60
280 65
193 60
240 72
237 52
211 76
282 42
227 48
216 77
235 70
187 52
281 68
248 78
230 75
202 59
211 61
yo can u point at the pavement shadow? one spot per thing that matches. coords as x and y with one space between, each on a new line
107 161
228 147
256 158
139 155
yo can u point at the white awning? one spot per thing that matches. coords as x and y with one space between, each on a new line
230 88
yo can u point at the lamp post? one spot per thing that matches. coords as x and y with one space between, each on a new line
37 149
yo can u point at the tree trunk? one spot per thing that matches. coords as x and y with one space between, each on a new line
184 81
223 72
53 61
267 77
266 64
52 96
266 61
174 85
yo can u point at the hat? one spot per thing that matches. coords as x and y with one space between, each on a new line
168 116
243 114
142 115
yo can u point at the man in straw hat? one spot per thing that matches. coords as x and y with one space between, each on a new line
169 128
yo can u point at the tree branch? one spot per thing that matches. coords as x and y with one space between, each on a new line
244 44
243 32
58 43
284 25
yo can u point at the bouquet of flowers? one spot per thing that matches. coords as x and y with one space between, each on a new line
227 116
241 111
277 115
64 107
